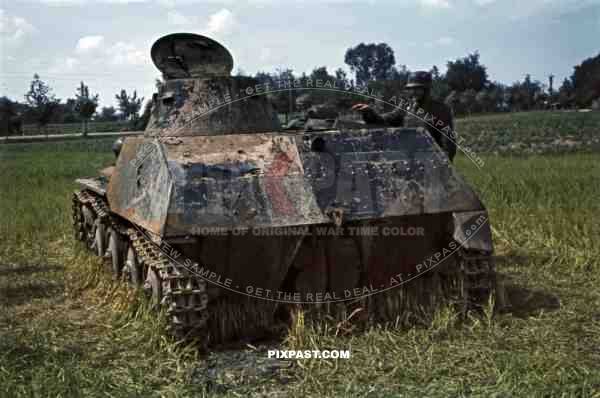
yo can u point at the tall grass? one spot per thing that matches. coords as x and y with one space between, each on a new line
67 329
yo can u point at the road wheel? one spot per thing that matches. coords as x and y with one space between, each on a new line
78 223
153 287
100 238
89 221
133 268
115 247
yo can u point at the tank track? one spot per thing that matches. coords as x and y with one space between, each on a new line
184 296
98 206
478 277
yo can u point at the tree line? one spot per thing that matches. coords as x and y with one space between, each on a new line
41 107
465 87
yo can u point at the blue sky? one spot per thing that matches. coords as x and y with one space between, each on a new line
107 43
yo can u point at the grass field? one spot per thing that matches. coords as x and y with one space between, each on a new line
76 128
67 330
532 132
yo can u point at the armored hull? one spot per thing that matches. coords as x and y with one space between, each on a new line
230 223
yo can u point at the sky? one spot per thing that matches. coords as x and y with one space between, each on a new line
106 43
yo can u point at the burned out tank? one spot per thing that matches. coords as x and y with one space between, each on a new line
230 223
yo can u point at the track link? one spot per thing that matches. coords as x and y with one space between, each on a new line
183 295
478 277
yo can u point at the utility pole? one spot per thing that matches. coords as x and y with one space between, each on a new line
290 103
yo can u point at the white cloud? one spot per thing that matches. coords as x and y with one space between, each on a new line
92 52
88 44
71 63
484 3
221 22
94 49
14 29
123 53
435 3
63 65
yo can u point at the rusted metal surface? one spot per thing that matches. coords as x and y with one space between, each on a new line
382 173
97 185
223 181
472 230
210 106
140 187
107 171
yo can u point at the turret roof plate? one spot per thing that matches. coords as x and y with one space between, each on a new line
188 55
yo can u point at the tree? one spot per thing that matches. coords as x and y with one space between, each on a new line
392 87
585 81
129 105
399 75
85 105
69 111
370 61
41 100
341 75
439 85
467 100
496 93
482 101
142 122
11 122
466 73
453 101
344 99
108 114
282 98
524 95
321 96
566 94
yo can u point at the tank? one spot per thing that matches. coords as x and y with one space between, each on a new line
232 225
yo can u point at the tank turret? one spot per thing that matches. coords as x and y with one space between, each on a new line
198 95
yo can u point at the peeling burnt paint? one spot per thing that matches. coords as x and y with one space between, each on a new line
210 106
220 180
